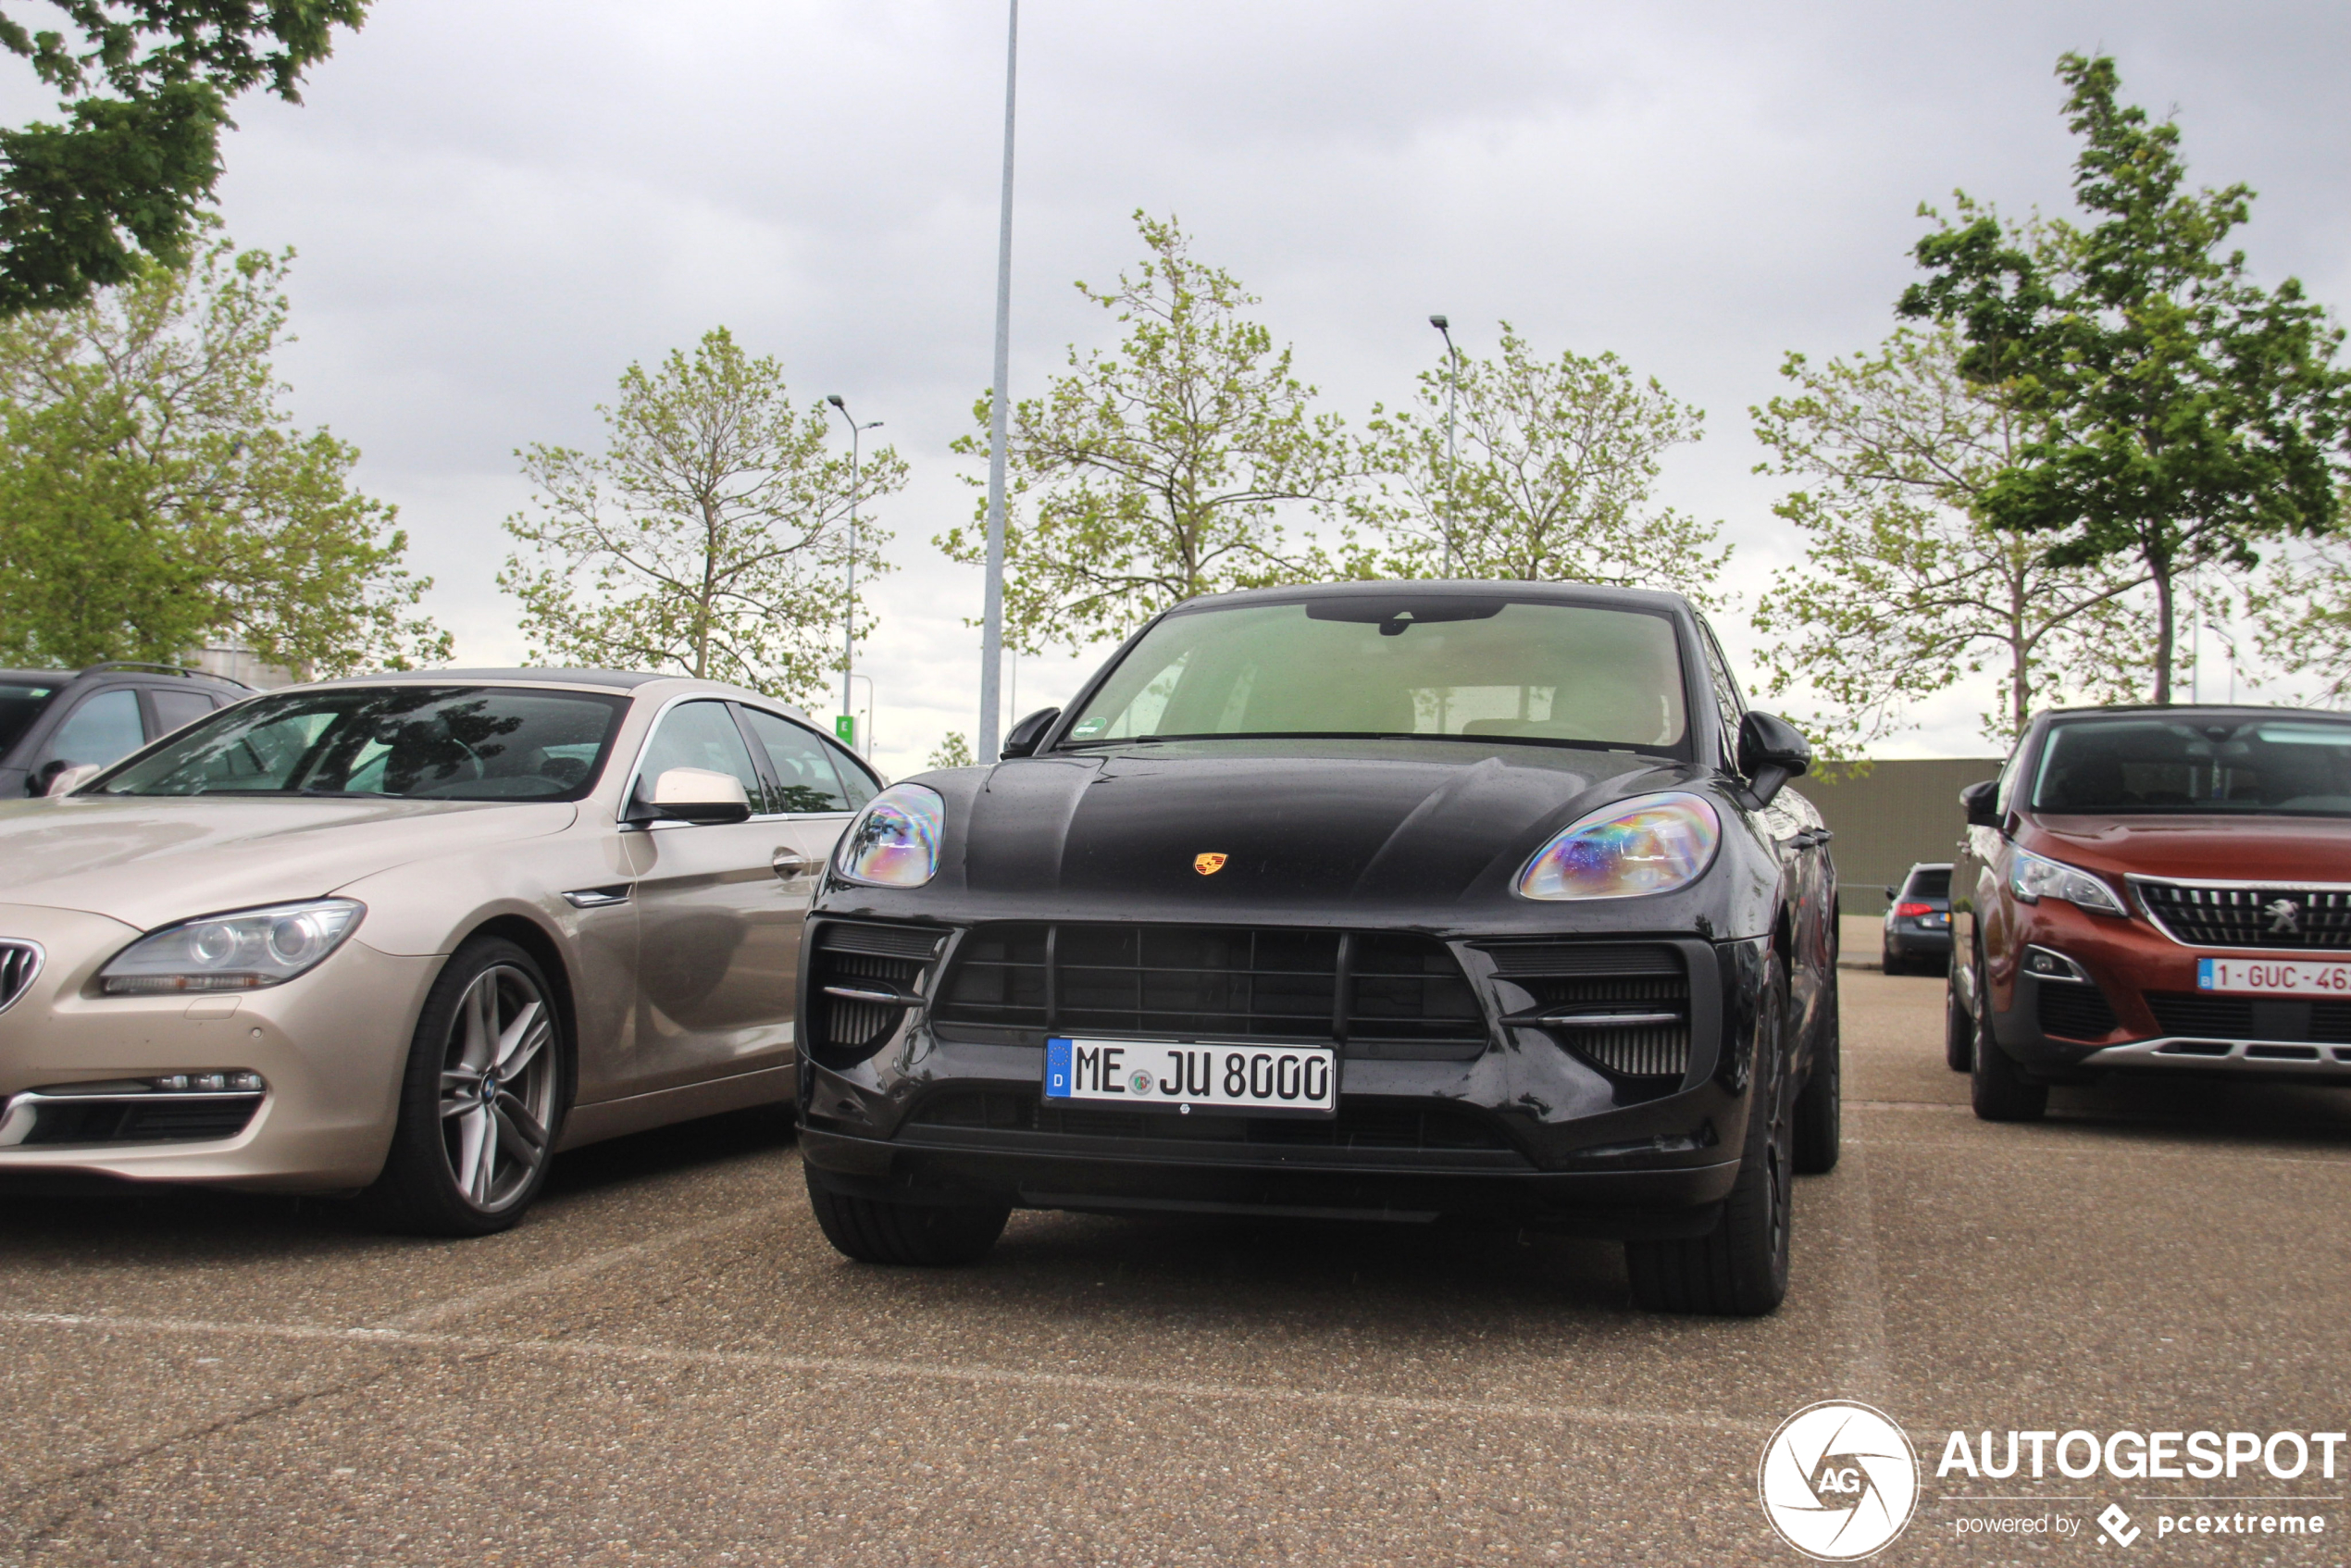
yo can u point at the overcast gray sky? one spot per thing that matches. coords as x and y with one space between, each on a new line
500 204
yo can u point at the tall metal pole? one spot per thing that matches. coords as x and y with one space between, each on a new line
991 637
1452 379
849 621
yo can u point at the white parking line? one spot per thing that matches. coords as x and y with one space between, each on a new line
565 1273
838 1366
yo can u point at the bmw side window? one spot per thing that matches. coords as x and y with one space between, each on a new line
103 729
806 778
855 778
699 735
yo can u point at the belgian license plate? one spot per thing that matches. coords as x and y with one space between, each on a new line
2290 976
1297 1081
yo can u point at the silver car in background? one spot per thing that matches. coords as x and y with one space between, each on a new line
410 936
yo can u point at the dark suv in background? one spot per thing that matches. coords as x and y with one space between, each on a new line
1918 922
51 720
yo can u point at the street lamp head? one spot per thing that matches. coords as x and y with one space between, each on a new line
834 398
1441 323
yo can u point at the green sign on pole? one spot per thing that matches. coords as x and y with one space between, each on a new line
845 728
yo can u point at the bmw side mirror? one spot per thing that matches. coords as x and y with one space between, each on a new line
1982 802
1772 751
69 777
1026 735
692 795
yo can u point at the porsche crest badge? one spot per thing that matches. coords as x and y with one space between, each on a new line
1208 864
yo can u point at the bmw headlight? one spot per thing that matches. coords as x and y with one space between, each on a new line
241 951
2032 878
1652 844
894 842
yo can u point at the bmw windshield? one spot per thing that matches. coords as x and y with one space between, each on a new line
417 742
1435 666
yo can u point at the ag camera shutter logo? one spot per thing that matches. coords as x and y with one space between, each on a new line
1838 1480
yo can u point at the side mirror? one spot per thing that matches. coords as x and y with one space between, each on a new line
1890 895
1772 751
692 795
1023 740
1982 802
65 777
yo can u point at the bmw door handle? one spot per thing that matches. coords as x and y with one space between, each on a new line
790 865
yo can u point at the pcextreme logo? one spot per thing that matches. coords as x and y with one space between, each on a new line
1838 1480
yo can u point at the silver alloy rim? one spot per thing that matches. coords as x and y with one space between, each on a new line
497 1088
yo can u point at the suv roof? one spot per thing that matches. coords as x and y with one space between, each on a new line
127 666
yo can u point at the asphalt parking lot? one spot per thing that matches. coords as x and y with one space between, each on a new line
666 1363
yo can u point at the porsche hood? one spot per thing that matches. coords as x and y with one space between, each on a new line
1420 824
150 860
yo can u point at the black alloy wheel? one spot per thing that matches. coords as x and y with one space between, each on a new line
1818 1136
1997 1085
483 1098
1739 1268
876 1230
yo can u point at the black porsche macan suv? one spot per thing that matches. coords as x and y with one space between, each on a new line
1474 901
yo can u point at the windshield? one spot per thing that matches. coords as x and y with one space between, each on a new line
19 705
1391 664
2299 765
416 742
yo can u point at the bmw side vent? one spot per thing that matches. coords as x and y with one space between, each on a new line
19 962
1377 993
2204 915
1623 1008
863 980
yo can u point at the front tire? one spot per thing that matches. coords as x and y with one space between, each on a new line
1818 1136
1997 1085
1958 1029
482 1101
1739 1268
875 1230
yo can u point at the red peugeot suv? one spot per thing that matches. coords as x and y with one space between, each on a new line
2157 890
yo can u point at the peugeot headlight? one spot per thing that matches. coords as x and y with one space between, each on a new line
894 842
1649 845
238 952
2032 878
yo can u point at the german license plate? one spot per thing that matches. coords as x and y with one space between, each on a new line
2288 976
1297 1081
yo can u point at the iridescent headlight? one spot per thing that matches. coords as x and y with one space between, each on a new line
894 842
1652 844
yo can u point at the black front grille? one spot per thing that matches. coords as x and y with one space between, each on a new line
2270 918
164 1119
1371 1126
888 963
2251 1017
1220 982
2072 1010
1567 982
19 962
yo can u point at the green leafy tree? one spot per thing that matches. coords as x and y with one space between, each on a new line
2300 614
1556 462
710 537
953 751
147 84
2173 413
1904 588
154 495
1159 470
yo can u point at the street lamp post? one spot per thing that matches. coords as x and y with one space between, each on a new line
991 637
1452 379
849 620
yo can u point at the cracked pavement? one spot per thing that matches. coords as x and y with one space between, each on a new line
667 1364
